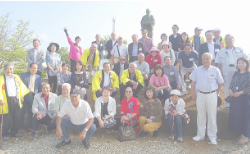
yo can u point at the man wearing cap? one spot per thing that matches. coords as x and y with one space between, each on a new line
109 46
119 50
36 55
167 51
205 87
218 39
100 47
226 61
208 46
81 120
153 58
147 41
143 67
197 39
131 78
105 78
135 48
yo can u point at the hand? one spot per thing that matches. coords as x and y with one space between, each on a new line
114 89
52 121
125 118
149 121
22 99
105 117
178 87
146 76
82 135
110 51
113 63
2 102
100 89
194 96
180 74
231 92
65 28
237 94
67 116
174 113
37 115
156 89
59 133
101 124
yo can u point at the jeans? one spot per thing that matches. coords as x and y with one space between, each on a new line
164 94
27 104
99 94
173 84
67 124
178 125
45 120
53 83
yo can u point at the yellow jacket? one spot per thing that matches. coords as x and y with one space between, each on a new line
192 39
97 81
125 77
85 55
23 90
222 41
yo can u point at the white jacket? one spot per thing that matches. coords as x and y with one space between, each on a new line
180 106
111 106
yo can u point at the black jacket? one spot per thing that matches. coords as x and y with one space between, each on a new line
203 49
140 48
117 68
109 46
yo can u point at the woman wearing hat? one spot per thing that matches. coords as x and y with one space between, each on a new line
167 51
174 108
153 58
53 61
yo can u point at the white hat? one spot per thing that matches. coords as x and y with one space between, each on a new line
175 92
217 30
119 37
164 43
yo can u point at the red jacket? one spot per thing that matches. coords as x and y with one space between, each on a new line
152 62
131 106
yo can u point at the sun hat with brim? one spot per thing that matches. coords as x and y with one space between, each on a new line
76 92
57 46
175 92
164 43
154 49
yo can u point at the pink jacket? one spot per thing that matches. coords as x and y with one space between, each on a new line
74 53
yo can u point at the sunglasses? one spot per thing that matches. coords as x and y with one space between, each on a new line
128 91
122 59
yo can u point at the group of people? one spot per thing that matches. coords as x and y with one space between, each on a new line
61 103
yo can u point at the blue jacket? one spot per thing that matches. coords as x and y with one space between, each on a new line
25 77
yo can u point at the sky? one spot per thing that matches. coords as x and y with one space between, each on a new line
88 18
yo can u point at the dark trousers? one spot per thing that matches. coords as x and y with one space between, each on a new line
45 120
11 120
146 82
162 94
146 54
27 106
99 94
59 90
72 65
173 84
39 73
53 83
133 58
128 84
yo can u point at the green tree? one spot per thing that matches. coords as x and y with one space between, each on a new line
64 52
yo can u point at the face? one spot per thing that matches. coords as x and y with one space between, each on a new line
174 98
229 41
164 38
206 60
135 39
184 37
97 37
140 58
106 93
198 32
93 47
120 41
167 61
66 91
144 34
128 92
132 68
36 44
209 36
149 93
33 69
217 34
122 60
158 72
46 89
78 67
65 68
187 49
78 41
242 65
75 99
113 36
106 68
174 29
9 71
165 47
53 48
153 53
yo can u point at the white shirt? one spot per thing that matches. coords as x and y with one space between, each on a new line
111 106
211 49
11 86
113 42
175 36
79 115
35 53
180 106
106 79
122 69
122 49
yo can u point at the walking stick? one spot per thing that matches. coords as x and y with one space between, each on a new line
1 131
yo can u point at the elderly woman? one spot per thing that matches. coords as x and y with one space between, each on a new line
167 51
239 115
159 81
12 91
79 79
153 58
63 77
174 108
53 61
150 120
43 110
105 108
60 100
164 37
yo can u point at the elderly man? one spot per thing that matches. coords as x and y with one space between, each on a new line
135 48
119 50
105 78
226 60
81 120
131 77
148 42
100 46
109 46
143 67
218 39
120 66
36 55
33 82
60 100
172 73
90 59
43 110
209 46
207 80
197 39
12 91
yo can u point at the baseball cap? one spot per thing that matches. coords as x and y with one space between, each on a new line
197 28
76 92
175 92
217 30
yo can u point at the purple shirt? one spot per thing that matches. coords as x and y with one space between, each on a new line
148 43
75 52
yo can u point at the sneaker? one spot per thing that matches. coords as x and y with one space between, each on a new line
108 131
63 143
213 142
23 131
86 144
17 135
6 138
33 135
156 133
198 138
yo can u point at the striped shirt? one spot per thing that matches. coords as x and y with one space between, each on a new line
241 82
